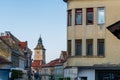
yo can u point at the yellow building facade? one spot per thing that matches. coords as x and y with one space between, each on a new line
92 49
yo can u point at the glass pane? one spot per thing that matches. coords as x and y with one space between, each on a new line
78 16
69 47
78 49
101 49
100 45
69 17
101 16
90 18
89 47
69 20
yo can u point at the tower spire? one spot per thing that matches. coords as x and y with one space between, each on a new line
40 40
39 44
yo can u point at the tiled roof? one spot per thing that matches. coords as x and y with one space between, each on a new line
53 63
36 63
61 60
22 45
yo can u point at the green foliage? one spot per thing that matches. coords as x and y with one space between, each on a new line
61 78
68 78
16 74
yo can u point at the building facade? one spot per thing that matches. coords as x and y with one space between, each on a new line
92 49
58 71
14 53
54 69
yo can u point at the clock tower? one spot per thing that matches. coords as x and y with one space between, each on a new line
39 56
39 52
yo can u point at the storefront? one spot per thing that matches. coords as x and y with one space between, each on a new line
107 74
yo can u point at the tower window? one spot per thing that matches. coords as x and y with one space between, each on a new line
78 16
78 47
69 21
89 16
38 52
100 47
89 47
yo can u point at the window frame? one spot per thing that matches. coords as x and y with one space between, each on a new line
69 47
79 12
98 47
78 42
88 43
69 17
89 10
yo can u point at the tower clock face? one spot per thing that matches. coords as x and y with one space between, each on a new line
37 52
38 55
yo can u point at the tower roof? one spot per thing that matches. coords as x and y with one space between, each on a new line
39 44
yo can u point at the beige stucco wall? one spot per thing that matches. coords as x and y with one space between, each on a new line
112 44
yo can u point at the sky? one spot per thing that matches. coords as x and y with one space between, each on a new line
28 19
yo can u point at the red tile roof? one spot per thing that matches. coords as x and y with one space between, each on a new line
36 63
22 45
53 63
4 36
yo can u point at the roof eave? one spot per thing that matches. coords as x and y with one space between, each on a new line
65 0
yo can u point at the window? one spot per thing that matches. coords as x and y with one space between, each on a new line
89 16
69 47
89 47
69 21
101 15
100 47
15 60
37 52
78 16
78 47
83 78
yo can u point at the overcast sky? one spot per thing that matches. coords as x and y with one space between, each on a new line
28 19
